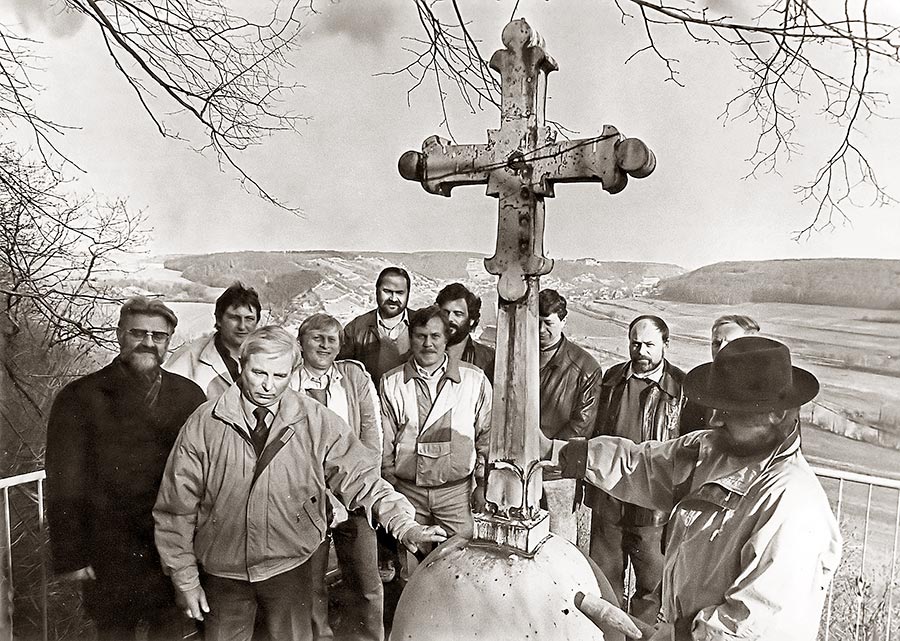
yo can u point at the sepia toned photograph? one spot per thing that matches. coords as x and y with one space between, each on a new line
439 320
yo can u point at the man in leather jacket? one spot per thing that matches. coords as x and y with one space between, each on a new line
379 339
569 380
641 400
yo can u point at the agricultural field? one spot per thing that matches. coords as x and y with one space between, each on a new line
855 353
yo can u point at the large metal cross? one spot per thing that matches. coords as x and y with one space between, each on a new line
521 163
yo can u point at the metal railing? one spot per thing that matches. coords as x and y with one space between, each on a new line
864 585
867 509
23 482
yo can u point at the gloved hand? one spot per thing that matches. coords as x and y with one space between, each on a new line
609 618
573 458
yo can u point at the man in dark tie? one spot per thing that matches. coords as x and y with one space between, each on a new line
237 523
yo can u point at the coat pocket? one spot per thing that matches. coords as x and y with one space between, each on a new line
433 450
435 463
314 508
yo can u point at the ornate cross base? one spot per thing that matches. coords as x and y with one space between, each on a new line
522 535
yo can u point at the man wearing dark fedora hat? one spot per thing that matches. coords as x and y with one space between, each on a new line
752 541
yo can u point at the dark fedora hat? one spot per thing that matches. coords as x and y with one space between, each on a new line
751 374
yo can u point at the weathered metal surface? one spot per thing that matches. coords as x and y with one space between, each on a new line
469 590
520 164
515 417
520 535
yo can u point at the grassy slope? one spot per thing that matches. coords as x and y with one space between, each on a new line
848 282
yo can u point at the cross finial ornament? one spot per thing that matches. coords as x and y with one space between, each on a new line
521 163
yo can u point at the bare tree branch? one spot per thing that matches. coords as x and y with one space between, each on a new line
53 248
222 70
780 51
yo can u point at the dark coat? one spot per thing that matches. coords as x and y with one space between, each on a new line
106 452
660 421
694 417
481 356
569 392
360 341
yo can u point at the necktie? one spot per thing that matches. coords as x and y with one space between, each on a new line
261 431
318 394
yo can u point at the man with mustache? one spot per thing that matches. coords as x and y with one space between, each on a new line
463 310
640 400
752 541
108 437
436 414
379 339
212 361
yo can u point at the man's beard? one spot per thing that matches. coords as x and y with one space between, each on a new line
766 445
643 365
139 364
389 310
458 334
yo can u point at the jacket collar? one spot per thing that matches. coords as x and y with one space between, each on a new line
737 474
561 354
452 372
228 409
667 382
371 319
209 355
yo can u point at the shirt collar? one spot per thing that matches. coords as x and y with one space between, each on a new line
392 322
654 375
449 369
247 408
436 374
307 380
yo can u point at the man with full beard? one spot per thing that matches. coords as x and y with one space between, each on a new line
379 339
640 400
108 437
752 541
464 311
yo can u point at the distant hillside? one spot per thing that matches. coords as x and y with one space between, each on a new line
626 275
295 283
844 282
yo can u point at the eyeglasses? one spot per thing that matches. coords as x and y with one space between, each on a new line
141 334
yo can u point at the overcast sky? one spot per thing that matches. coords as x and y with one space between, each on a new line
696 209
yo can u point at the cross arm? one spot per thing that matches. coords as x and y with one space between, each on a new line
608 159
441 165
